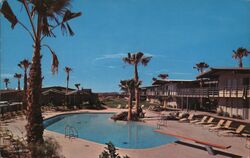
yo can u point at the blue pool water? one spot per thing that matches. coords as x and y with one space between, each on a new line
101 129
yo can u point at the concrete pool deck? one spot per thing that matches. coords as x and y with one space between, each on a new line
77 148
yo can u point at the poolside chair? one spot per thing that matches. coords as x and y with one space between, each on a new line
219 124
190 118
238 131
202 120
226 126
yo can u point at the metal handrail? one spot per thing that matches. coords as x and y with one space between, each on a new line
70 131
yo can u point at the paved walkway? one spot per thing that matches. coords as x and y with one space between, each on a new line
78 148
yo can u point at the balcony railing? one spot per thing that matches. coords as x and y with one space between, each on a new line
234 92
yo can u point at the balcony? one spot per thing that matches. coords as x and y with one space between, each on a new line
239 92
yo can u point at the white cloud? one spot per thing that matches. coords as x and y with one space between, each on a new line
117 56
6 75
111 56
111 67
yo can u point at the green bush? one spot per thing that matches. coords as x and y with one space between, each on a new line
48 149
110 152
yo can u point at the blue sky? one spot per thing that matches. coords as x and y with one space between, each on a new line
177 33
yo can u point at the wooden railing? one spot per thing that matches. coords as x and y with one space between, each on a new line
233 92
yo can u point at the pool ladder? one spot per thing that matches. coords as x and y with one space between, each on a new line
70 132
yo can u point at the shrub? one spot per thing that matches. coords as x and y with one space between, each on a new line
220 112
48 149
110 152
237 116
226 114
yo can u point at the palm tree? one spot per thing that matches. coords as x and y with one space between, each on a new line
239 54
129 86
201 66
18 77
43 17
136 59
154 79
77 85
67 70
24 64
163 76
6 82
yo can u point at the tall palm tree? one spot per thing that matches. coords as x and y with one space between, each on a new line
43 17
129 86
201 66
239 54
77 85
18 77
136 59
163 76
6 82
67 70
24 64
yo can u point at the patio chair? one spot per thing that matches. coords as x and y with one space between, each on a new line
209 121
225 126
202 120
219 124
238 131
190 118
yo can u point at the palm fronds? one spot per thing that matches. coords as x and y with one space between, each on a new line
163 76
239 54
17 75
24 64
8 14
201 66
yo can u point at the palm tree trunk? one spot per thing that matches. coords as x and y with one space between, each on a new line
137 90
25 82
67 84
130 99
240 63
25 101
34 126
18 87
67 99
34 116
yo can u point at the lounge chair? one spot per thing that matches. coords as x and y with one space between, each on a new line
209 121
226 126
180 115
237 131
190 118
219 124
202 120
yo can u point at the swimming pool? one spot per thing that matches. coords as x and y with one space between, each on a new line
101 129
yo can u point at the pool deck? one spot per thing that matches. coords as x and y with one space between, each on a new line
74 148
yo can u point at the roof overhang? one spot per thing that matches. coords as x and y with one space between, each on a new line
162 82
216 72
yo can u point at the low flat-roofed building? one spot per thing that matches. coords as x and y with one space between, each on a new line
233 90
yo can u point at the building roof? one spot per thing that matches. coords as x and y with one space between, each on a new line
152 86
215 72
159 82
8 91
60 88
78 92
52 91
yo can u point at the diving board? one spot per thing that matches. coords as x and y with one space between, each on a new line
207 145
